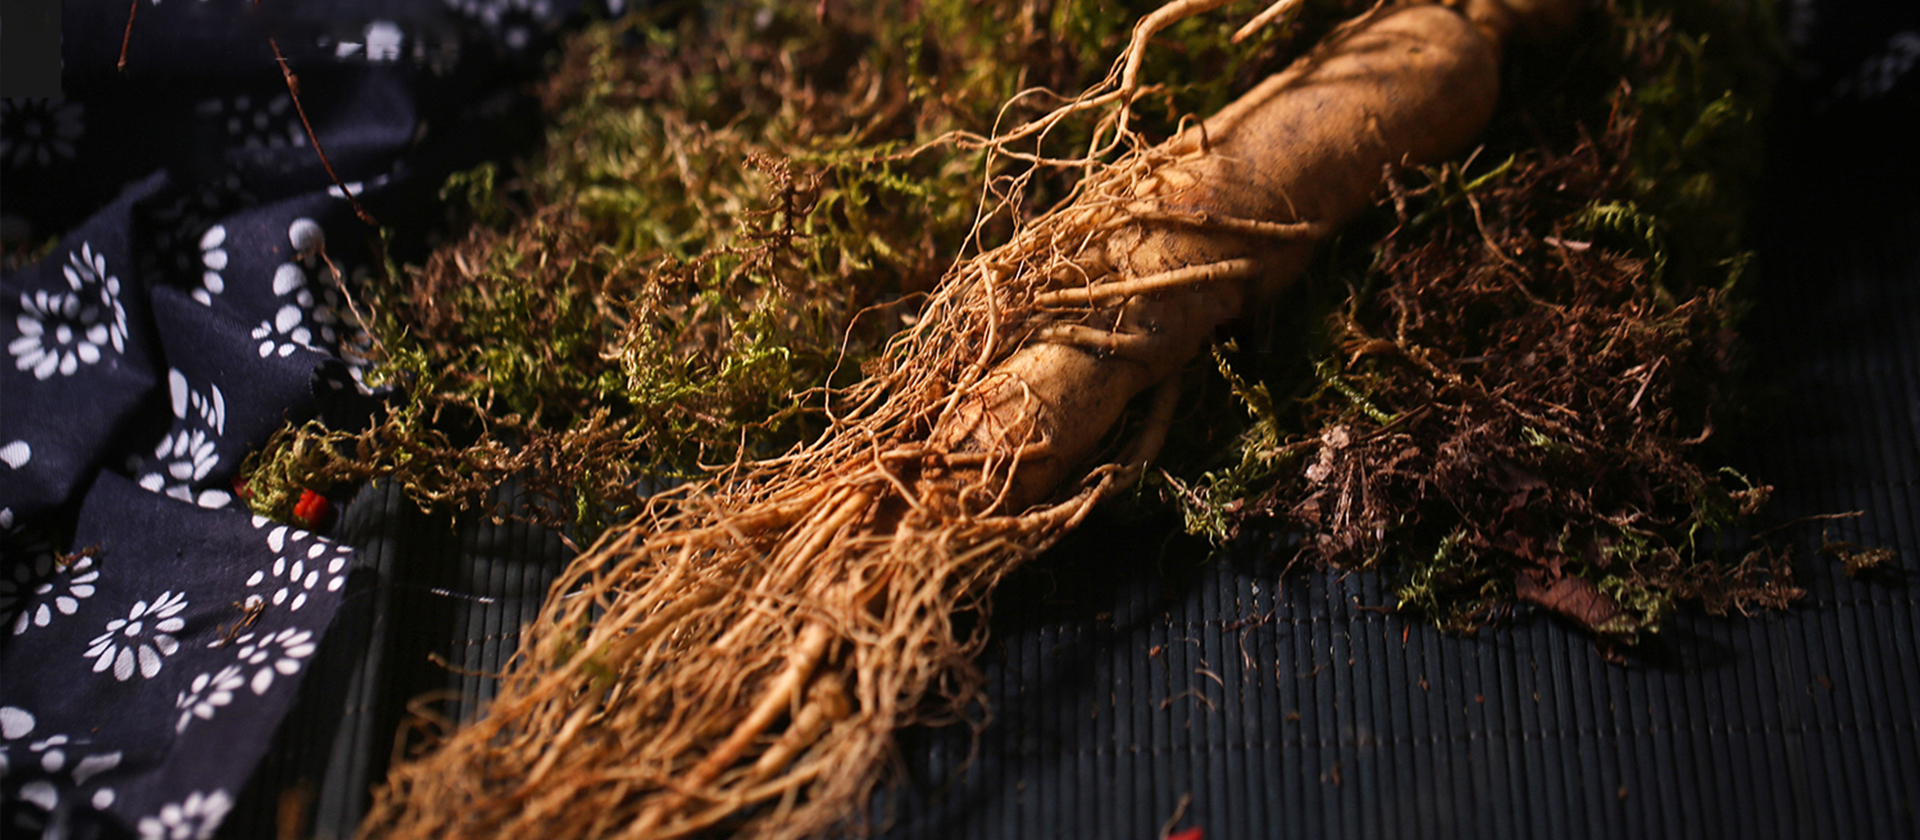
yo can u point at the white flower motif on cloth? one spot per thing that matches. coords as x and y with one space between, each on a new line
271 654
59 331
210 407
189 453
39 130
44 587
206 694
142 641
15 723
183 219
306 237
195 818
315 315
383 40
15 455
283 334
303 563
51 756
251 125
213 260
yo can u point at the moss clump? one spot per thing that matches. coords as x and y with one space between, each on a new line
734 205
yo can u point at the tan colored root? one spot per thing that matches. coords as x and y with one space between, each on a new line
742 655
806 660
1114 96
1228 224
1193 275
1125 344
739 656
1265 18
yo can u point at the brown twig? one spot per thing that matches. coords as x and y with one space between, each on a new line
293 88
126 40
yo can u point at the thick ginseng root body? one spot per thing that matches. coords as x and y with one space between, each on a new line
1296 157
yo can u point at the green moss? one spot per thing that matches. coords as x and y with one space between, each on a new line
722 191
1457 588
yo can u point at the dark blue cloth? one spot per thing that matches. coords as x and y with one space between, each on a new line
153 633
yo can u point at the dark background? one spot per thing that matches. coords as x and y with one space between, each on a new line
1142 680
29 47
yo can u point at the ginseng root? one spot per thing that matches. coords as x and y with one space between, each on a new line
739 656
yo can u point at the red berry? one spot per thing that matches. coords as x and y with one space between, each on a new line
311 509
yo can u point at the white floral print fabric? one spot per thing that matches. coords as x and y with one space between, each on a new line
141 684
43 588
303 564
195 818
14 455
186 455
191 675
207 694
266 656
1885 70
213 260
141 642
313 315
254 124
183 222
60 331
57 761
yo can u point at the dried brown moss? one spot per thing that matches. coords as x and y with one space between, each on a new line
1538 402
1515 391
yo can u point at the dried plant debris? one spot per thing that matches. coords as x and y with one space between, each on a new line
1512 398
1855 558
